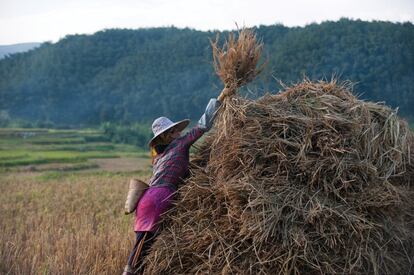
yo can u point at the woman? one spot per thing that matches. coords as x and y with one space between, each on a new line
170 152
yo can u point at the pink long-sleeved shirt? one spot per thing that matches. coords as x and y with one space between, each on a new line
170 168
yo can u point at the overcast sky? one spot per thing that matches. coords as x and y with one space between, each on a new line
50 20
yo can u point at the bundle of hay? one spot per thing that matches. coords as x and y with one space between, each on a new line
308 181
236 62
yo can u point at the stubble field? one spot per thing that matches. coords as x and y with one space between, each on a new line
57 218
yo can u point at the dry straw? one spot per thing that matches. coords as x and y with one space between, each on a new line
70 225
308 181
236 62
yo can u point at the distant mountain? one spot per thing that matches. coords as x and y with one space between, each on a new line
17 48
122 75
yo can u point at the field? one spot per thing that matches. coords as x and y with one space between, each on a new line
62 196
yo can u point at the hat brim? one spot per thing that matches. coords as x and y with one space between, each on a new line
180 125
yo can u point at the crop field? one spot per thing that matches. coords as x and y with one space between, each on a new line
29 149
62 197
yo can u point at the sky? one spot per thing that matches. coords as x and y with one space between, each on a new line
50 20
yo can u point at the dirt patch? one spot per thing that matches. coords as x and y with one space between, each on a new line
58 167
122 164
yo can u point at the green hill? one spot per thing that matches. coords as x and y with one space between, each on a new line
125 75
16 48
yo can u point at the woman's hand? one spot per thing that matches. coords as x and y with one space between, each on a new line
225 93
206 121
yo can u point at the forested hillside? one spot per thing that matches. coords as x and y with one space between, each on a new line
125 76
16 48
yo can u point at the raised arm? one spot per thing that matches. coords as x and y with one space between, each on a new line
207 119
192 136
204 124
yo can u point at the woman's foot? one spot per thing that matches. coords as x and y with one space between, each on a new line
128 270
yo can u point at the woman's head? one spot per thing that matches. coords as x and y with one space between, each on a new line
166 131
166 137
170 135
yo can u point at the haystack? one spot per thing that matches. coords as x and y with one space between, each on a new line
307 181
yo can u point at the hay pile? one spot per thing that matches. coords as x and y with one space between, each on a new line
308 181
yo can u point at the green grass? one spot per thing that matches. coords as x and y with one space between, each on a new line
22 147
57 140
82 148
31 158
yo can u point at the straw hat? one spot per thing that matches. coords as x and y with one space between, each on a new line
163 124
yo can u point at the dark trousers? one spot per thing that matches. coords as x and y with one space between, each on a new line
143 243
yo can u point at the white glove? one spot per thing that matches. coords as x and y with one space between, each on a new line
206 121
